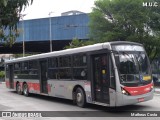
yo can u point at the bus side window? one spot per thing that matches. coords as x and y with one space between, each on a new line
65 68
53 68
17 66
24 66
112 75
80 67
33 69
33 64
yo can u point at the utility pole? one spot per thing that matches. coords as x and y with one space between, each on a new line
22 16
50 31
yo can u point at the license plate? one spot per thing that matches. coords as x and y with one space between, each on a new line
140 99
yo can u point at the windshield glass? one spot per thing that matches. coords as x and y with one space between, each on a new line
133 68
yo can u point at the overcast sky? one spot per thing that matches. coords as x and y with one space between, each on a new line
41 8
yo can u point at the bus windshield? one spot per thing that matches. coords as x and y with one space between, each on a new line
133 68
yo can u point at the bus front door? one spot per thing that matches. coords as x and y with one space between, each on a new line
100 75
11 82
43 75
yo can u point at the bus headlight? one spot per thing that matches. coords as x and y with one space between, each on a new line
152 87
125 92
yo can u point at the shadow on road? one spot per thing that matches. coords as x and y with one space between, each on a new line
135 107
48 98
92 107
90 110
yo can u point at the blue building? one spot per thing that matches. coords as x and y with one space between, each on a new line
37 33
62 28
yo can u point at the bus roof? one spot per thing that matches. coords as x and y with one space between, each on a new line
71 51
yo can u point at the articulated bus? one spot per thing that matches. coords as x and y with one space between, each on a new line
108 74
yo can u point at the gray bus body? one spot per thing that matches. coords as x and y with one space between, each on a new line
92 74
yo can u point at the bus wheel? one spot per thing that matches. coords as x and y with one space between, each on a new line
18 89
25 89
80 97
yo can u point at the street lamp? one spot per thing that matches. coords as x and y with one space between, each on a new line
50 31
22 15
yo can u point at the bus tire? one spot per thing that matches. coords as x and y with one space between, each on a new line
18 89
80 97
25 90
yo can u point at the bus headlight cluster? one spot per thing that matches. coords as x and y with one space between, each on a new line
152 87
124 91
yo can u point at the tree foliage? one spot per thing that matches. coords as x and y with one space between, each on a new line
78 43
127 20
9 17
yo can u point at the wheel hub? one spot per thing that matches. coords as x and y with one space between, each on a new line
25 90
79 97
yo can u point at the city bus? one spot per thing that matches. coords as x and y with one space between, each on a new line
108 74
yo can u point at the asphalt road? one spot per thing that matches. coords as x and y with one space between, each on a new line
65 110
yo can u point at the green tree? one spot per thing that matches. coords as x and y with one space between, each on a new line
127 20
78 43
2 74
9 17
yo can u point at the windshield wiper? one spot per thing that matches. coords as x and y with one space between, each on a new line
125 53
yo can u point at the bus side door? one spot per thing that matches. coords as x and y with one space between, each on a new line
11 81
100 78
43 76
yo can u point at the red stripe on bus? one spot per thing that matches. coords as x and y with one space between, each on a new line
14 84
34 86
139 90
7 83
31 86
